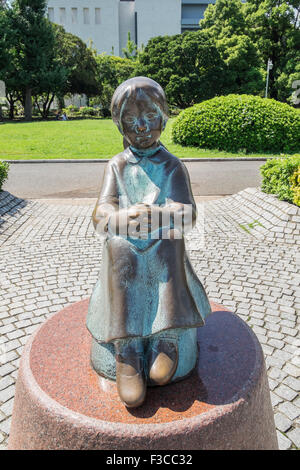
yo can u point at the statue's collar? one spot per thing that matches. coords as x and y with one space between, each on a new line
136 155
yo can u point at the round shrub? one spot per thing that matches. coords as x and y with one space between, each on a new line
236 123
3 172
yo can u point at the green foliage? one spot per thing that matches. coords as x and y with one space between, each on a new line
32 52
39 59
272 25
188 66
224 19
272 31
80 63
31 67
71 109
6 37
242 74
295 186
83 112
111 72
239 122
225 22
282 177
4 167
131 50
88 111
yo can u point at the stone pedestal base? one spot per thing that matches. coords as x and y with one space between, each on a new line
61 402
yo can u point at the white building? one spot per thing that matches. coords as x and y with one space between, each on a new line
107 22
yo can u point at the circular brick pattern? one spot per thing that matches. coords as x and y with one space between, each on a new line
61 403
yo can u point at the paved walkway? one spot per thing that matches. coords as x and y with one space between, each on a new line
247 258
68 179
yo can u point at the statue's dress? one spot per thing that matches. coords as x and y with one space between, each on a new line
145 286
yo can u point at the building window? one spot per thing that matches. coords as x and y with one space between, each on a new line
97 16
74 15
51 14
191 15
62 15
86 16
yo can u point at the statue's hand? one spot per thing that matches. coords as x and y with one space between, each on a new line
174 219
130 221
139 221
145 219
138 210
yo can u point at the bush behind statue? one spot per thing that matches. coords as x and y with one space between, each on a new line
281 176
82 112
236 123
4 167
295 180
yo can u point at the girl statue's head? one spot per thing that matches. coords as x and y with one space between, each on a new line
139 108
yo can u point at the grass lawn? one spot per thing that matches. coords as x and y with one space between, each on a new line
81 139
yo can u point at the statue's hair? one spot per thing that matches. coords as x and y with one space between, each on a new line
130 88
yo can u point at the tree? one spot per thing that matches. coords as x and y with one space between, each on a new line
39 59
111 72
225 22
274 27
272 30
187 65
80 61
32 53
7 65
243 73
224 19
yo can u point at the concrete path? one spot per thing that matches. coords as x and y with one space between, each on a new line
83 179
246 254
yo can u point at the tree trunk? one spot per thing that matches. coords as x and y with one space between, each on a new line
28 105
11 107
49 106
60 101
11 111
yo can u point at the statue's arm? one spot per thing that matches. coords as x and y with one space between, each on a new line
108 200
180 193
107 215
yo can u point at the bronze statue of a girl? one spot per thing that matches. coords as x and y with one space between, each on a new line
146 306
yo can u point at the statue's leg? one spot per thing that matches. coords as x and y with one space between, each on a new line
177 302
130 375
121 272
163 357
184 341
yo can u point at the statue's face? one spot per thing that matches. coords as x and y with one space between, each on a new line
142 121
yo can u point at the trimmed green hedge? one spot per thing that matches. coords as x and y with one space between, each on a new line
4 166
236 123
282 177
295 180
84 111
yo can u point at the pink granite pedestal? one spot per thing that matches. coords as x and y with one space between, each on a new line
61 403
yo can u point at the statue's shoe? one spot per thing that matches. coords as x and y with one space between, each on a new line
163 360
131 382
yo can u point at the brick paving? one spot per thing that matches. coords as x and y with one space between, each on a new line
248 259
